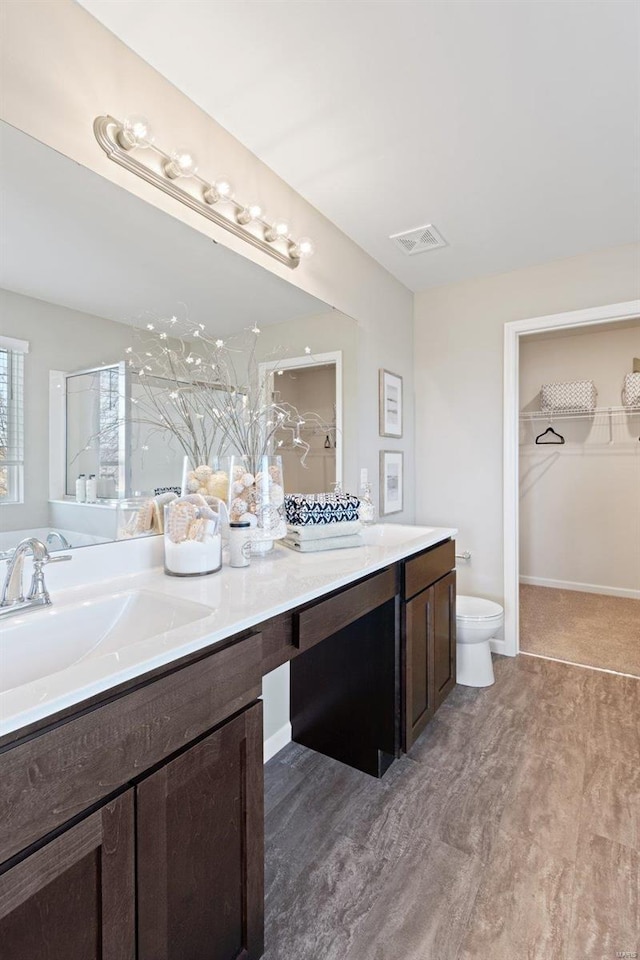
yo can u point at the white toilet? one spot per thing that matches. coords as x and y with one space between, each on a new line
477 621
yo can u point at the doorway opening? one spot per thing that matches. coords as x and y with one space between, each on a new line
312 459
564 613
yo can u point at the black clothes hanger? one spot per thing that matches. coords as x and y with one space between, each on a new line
542 442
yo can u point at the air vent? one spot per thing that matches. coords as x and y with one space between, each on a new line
418 240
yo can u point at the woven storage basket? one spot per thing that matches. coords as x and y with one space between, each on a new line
570 395
631 390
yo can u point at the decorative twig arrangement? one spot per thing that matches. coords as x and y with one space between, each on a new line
208 394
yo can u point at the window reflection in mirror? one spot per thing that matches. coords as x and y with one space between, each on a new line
94 441
11 420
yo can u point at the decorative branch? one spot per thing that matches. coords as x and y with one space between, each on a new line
208 394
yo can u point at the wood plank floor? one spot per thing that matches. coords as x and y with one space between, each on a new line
512 830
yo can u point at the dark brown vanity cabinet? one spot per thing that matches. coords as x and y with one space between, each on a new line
132 828
429 636
74 898
172 868
200 849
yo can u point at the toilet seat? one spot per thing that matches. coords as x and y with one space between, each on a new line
477 609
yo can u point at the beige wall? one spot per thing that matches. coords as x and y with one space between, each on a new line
61 69
580 501
459 390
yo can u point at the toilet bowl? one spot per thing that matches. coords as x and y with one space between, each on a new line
477 621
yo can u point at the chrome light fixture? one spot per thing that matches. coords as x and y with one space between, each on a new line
130 143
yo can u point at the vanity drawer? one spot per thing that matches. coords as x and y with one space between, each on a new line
421 571
277 641
50 779
320 620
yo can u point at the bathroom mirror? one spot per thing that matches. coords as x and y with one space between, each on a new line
82 262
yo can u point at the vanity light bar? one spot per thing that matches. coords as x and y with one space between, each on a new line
176 174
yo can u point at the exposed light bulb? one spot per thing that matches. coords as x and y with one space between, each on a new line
253 211
220 190
278 230
302 248
181 164
135 132
224 187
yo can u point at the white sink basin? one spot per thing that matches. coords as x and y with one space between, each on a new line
39 643
394 534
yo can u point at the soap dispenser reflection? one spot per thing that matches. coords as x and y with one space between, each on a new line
367 509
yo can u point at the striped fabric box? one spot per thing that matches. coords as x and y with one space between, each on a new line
578 395
631 390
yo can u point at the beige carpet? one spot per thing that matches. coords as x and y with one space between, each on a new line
586 628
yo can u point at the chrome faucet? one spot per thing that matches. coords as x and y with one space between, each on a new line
13 600
56 535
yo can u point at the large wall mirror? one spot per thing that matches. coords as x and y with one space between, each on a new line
84 266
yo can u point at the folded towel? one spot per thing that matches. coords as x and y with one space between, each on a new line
302 509
321 531
331 543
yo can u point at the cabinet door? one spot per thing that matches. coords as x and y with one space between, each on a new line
444 638
74 898
418 685
200 845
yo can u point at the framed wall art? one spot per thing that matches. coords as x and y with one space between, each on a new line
390 401
391 482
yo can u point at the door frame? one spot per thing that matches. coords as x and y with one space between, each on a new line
269 368
611 313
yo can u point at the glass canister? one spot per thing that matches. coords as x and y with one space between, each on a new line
256 496
192 537
135 518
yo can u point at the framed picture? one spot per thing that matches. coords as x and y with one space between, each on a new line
391 482
390 400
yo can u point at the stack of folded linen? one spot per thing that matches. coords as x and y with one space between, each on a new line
322 521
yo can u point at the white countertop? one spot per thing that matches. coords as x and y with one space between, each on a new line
237 598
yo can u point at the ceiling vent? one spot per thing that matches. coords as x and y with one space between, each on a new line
418 240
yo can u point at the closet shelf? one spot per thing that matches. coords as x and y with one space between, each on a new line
578 415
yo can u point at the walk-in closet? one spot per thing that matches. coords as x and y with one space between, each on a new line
580 496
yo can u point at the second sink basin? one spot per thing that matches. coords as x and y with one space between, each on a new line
39 643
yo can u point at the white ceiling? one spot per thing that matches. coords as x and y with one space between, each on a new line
512 125
71 237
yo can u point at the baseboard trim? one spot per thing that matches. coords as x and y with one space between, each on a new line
499 646
582 587
277 741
